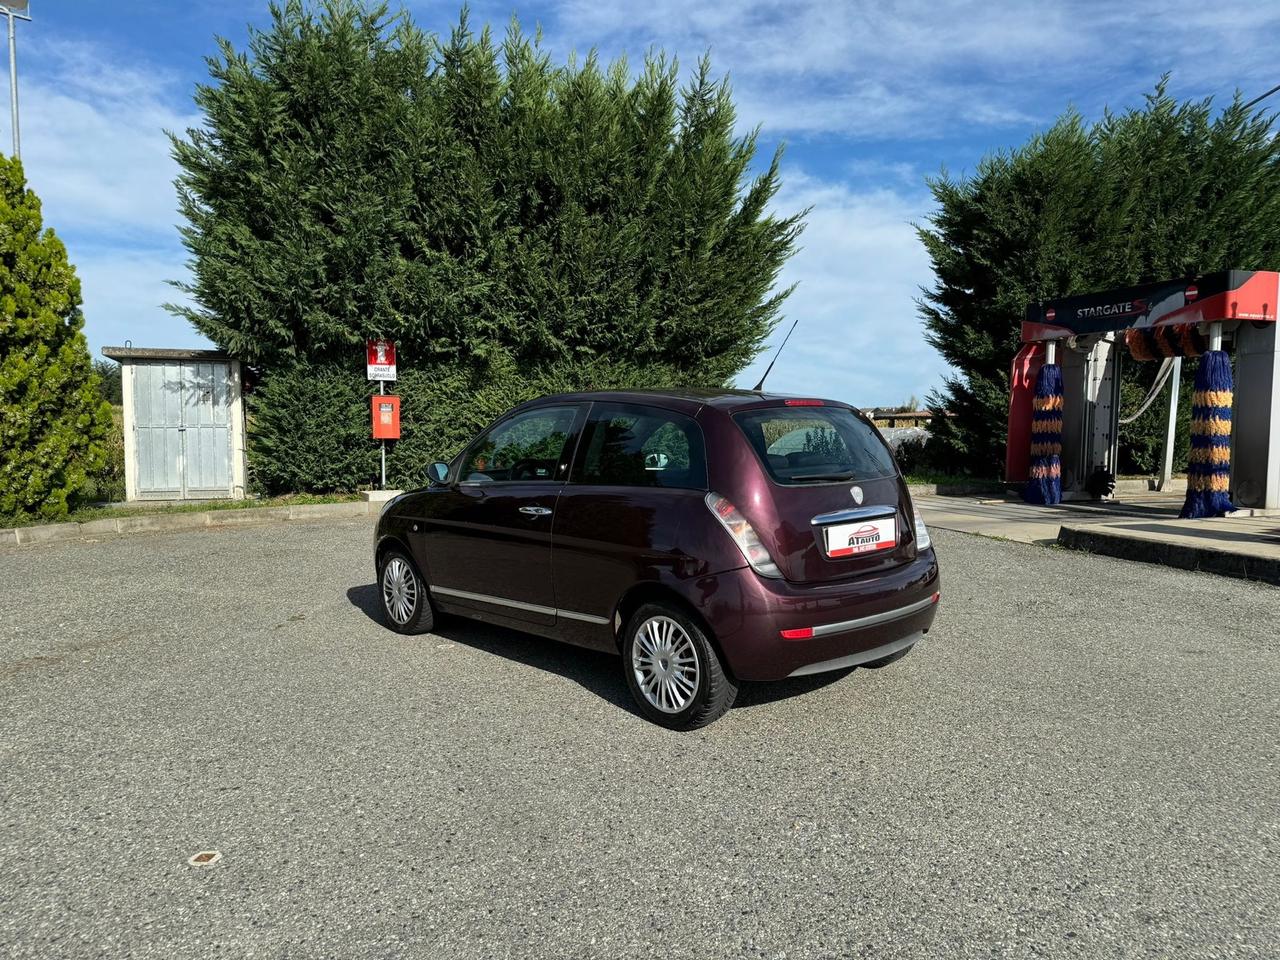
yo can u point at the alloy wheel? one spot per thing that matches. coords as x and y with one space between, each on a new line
399 590
665 663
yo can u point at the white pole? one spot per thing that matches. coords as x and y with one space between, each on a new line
1051 351
13 86
1166 465
1215 335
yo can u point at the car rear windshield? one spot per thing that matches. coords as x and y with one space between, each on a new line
814 444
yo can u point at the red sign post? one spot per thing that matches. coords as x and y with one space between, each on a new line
380 365
380 360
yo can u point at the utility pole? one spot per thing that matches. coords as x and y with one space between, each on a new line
20 10
1261 98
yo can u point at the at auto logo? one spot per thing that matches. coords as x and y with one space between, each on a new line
864 535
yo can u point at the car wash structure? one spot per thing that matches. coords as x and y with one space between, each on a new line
1064 412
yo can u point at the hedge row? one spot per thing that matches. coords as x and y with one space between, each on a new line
309 425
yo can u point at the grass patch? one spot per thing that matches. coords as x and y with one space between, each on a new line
85 514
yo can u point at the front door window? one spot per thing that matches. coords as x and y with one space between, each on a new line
528 447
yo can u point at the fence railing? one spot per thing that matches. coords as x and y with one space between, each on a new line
901 418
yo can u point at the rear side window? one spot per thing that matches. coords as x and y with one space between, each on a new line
626 445
815 444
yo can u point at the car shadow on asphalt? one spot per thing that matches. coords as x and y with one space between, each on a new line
592 670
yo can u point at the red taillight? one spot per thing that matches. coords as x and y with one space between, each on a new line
802 403
937 597
755 552
803 633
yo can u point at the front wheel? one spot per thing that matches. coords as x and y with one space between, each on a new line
673 672
405 604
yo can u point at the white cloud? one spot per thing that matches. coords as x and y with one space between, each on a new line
927 68
123 292
859 270
93 140
95 151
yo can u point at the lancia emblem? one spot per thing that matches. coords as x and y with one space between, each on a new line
857 494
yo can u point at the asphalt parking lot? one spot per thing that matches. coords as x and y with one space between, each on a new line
1080 760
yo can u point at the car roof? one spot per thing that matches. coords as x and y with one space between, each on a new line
686 399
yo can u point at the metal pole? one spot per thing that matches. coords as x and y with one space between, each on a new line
382 389
13 85
1166 464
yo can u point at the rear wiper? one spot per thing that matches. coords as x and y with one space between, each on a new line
823 476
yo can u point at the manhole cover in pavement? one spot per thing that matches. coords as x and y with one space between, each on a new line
205 858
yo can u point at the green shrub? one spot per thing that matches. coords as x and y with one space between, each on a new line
54 424
110 385
1142 442
915 455
309 431
106 484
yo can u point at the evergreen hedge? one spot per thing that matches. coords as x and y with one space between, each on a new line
310 424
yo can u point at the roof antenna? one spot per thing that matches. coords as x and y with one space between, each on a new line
760 386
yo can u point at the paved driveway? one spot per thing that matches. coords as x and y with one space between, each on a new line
1080 760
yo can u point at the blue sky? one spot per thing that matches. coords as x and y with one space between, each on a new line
870 98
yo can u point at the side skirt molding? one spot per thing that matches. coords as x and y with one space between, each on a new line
518 605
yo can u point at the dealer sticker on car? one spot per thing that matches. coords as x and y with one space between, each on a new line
864 536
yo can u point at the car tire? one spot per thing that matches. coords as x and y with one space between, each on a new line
672 670
403 596
885 661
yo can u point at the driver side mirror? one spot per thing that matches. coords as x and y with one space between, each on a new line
438 472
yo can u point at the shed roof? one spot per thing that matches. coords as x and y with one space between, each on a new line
162 353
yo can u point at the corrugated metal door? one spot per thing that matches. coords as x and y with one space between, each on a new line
206 441
157 404
182 428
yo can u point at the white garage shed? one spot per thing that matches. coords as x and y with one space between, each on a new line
183 424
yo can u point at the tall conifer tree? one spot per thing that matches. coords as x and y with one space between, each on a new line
357 177
53 421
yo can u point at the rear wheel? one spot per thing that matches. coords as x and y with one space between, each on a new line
405 604
673 671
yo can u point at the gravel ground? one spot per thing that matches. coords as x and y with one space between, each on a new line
1080 760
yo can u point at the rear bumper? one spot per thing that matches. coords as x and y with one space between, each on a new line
859 658
852 622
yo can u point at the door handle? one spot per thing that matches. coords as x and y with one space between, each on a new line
535 511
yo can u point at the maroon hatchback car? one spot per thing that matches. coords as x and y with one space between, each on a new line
707 537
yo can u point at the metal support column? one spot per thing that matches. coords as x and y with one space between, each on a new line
13 85
14 10
1166 462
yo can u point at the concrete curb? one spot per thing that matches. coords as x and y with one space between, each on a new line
986 488
1183 556
172 522
1148 485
